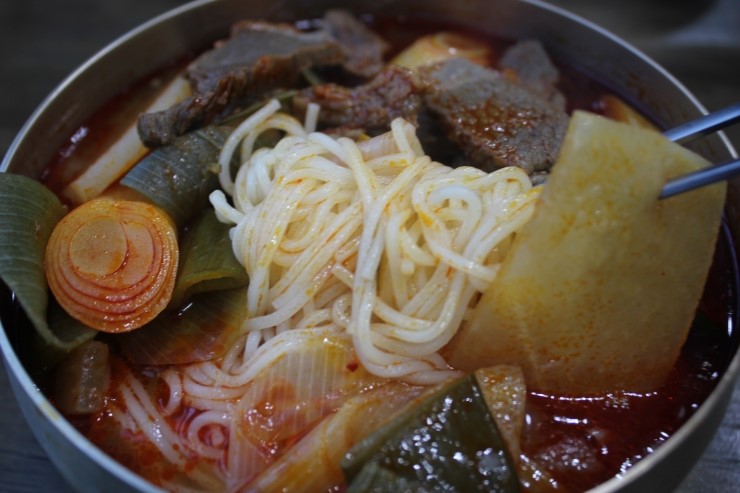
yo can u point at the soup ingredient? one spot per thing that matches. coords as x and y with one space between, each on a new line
261 53
112 264
532 66
313 464
29 214
232 424
82 379
258 58
207 262
394 93
505 393
443 46
363 49
124 153
202 330
391 249
496 121
448 442
179 176
599 289
618 110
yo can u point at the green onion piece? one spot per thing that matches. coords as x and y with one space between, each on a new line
378 479
178 177
207 261
82 379
448 442
202 331
28 214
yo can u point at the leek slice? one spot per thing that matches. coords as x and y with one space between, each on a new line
448 442
378 479
178 177
28 213
82 379
203 331
207 261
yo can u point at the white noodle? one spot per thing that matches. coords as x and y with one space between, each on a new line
374 242
213 427
174 385
426 238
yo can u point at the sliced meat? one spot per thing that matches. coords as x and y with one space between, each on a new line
496 121
362 48
394 92
257 58
263 52
533 68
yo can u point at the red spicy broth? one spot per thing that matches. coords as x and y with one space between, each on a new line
586 441
581 442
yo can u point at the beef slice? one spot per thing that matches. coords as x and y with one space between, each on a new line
258 58
496 120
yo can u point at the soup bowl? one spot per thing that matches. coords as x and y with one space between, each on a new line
193 27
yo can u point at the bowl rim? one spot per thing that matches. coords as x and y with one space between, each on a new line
725 384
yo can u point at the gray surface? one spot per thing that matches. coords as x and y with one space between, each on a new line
41 42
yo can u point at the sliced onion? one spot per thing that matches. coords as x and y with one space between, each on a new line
111 264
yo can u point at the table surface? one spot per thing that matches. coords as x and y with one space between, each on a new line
41 42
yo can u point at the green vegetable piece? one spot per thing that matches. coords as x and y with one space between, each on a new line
82 379
378 479
202 331
207 261
448 442
28 214
178 177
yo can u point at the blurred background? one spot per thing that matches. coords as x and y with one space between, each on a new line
41 42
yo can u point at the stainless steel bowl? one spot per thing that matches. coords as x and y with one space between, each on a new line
196 25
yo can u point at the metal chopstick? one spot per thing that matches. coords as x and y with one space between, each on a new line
704 125
693 130
699 178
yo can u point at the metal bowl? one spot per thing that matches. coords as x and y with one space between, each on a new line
194 26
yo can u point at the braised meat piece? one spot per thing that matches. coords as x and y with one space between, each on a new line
495 120
394 92
363 49
264 53
532 66
257 58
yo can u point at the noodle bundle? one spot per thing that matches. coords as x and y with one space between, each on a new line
366 251
372 238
